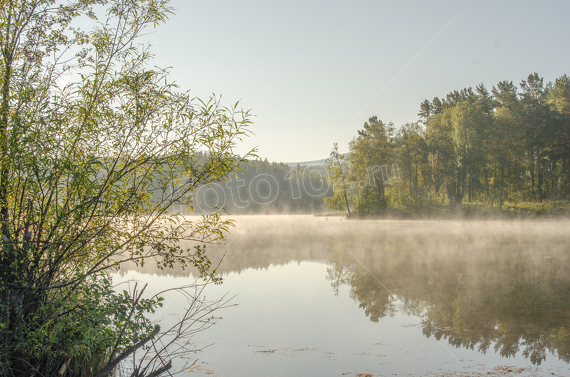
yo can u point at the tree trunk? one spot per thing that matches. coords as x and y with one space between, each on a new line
346 200
410 174
502 185
552 168
436 174
416 182
458 188
494 183
4 163
470 190
450 196
531 168
463 175
539 177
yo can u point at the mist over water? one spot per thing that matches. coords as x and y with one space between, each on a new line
492 293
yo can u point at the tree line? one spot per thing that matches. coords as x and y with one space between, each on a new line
507 144
263 187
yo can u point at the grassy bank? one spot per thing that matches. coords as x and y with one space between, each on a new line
520 210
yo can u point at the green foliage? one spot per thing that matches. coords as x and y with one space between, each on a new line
84 172
340 178
510 144
369 151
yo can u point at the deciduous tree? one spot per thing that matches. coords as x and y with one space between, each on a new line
92 139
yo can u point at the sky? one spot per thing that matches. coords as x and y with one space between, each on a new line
312 72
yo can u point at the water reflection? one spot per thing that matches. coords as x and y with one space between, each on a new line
482 286
479 286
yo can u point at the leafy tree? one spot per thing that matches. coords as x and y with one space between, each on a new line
91 140
485 146
426 111
468 128
506 95
506 157
371 152
442 153
484 99
338 176
539 124
559 98
412 152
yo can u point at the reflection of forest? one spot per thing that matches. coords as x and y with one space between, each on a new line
477 285
480 285
262 241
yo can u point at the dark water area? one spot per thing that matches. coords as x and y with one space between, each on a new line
322 296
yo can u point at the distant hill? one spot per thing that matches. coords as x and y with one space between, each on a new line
307 163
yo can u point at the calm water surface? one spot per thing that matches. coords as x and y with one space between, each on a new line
324 296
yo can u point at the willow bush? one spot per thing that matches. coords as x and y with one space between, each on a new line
96 145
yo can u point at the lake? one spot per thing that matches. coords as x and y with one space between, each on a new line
326 296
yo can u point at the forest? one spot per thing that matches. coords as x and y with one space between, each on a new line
507 148
503 150
263 187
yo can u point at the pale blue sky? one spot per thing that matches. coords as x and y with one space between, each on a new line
314 71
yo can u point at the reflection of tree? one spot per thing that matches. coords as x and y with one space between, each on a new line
476 291
365 289
479 286
373 298
259 242
339 274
